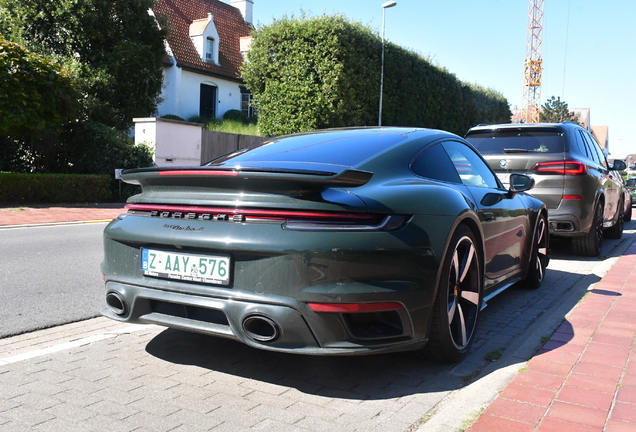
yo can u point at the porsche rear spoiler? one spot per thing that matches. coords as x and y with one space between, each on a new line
248 179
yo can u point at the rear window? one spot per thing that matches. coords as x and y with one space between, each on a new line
494 142
329 153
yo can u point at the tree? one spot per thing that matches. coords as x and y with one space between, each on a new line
116 44
37 95
321 72
556 111
97 64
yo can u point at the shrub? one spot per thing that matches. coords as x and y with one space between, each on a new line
172 117
235 115
18 188
232 126
199 119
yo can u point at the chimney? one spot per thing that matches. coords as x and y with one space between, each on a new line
245 6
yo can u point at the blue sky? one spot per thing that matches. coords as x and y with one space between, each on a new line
588 50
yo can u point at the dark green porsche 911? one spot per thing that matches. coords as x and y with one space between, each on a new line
347 241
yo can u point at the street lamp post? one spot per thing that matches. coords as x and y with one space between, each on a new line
385 6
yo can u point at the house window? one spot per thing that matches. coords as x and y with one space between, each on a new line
246 102
209 50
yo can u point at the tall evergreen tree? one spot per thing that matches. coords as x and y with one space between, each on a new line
556 111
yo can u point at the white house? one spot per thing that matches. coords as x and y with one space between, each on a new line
201 74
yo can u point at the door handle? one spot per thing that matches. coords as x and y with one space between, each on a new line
489 217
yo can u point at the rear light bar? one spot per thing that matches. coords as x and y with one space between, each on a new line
194 212
355 307
561 167
199 173
292 220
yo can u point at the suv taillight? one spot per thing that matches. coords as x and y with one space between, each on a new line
561 167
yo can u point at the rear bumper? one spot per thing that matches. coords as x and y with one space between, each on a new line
577 213
292 327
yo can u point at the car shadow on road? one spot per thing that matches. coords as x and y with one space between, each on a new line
512 319
371 377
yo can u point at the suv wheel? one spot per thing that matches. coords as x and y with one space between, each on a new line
616 230
591 243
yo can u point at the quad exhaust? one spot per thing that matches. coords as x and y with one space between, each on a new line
116 303
260 328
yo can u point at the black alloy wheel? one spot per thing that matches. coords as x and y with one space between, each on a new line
591 243
540 255
458 300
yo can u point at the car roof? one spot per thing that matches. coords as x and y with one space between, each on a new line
506 126
331 150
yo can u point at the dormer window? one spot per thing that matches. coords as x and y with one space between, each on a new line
210 50
205 39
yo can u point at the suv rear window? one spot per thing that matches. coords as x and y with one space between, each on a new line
492 142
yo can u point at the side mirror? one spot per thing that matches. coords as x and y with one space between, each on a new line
520 183
619 165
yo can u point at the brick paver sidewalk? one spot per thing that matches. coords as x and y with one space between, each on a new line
58 214
584 377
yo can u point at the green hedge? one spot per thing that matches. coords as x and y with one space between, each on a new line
321 72
54 188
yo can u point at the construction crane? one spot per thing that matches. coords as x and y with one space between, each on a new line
533 66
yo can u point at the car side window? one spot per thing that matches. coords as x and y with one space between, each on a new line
592 146
472 170
583 146
435 164
597 148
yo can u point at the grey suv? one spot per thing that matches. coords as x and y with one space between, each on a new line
572 177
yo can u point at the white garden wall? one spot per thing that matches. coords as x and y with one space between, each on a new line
174 143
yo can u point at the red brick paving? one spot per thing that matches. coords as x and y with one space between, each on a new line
531 394
584 377
489 423
57 214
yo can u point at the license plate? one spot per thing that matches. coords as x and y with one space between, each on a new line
207 269
504 178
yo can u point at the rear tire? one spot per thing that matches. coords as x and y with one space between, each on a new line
540 254
458 301
591 243
628 213
616 230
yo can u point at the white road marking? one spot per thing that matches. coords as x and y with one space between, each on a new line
68 345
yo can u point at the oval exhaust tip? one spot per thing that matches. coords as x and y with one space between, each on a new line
116 303
260 328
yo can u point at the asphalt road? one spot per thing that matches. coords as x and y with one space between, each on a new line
49 275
